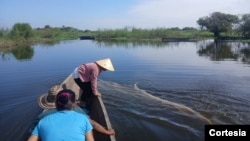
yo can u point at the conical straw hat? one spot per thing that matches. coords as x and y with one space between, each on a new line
106 64
47 101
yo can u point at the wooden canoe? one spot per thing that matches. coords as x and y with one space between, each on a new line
87 38
100 115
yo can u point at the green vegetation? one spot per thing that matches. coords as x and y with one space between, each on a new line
229 25
217 25
22 34
150 34
63 33
244 27
21 31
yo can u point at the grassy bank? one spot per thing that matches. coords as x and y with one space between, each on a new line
150 34
48 34
39 35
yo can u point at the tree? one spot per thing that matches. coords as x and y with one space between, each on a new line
218 22
244 27
21 30
47 27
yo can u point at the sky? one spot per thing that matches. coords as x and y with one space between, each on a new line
115 14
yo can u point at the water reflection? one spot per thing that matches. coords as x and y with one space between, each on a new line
130 44
218 51
215 50
50 43
21 52
167 91
246 55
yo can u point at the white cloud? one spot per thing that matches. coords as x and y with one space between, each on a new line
175 13
169 13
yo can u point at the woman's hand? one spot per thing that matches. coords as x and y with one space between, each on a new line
98 94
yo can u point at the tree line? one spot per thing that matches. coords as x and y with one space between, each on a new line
215 25
218 23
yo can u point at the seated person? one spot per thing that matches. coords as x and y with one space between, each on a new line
65 123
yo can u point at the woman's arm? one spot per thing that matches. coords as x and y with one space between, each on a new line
101 129
89 136
33 138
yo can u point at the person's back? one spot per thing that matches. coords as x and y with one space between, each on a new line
65 124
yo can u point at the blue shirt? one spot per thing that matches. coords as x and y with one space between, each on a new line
63 126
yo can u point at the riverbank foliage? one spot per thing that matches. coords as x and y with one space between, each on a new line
151 34
217 25
22 33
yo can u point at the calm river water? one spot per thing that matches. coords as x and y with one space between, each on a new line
158 91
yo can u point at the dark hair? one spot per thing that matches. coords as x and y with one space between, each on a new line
65 99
